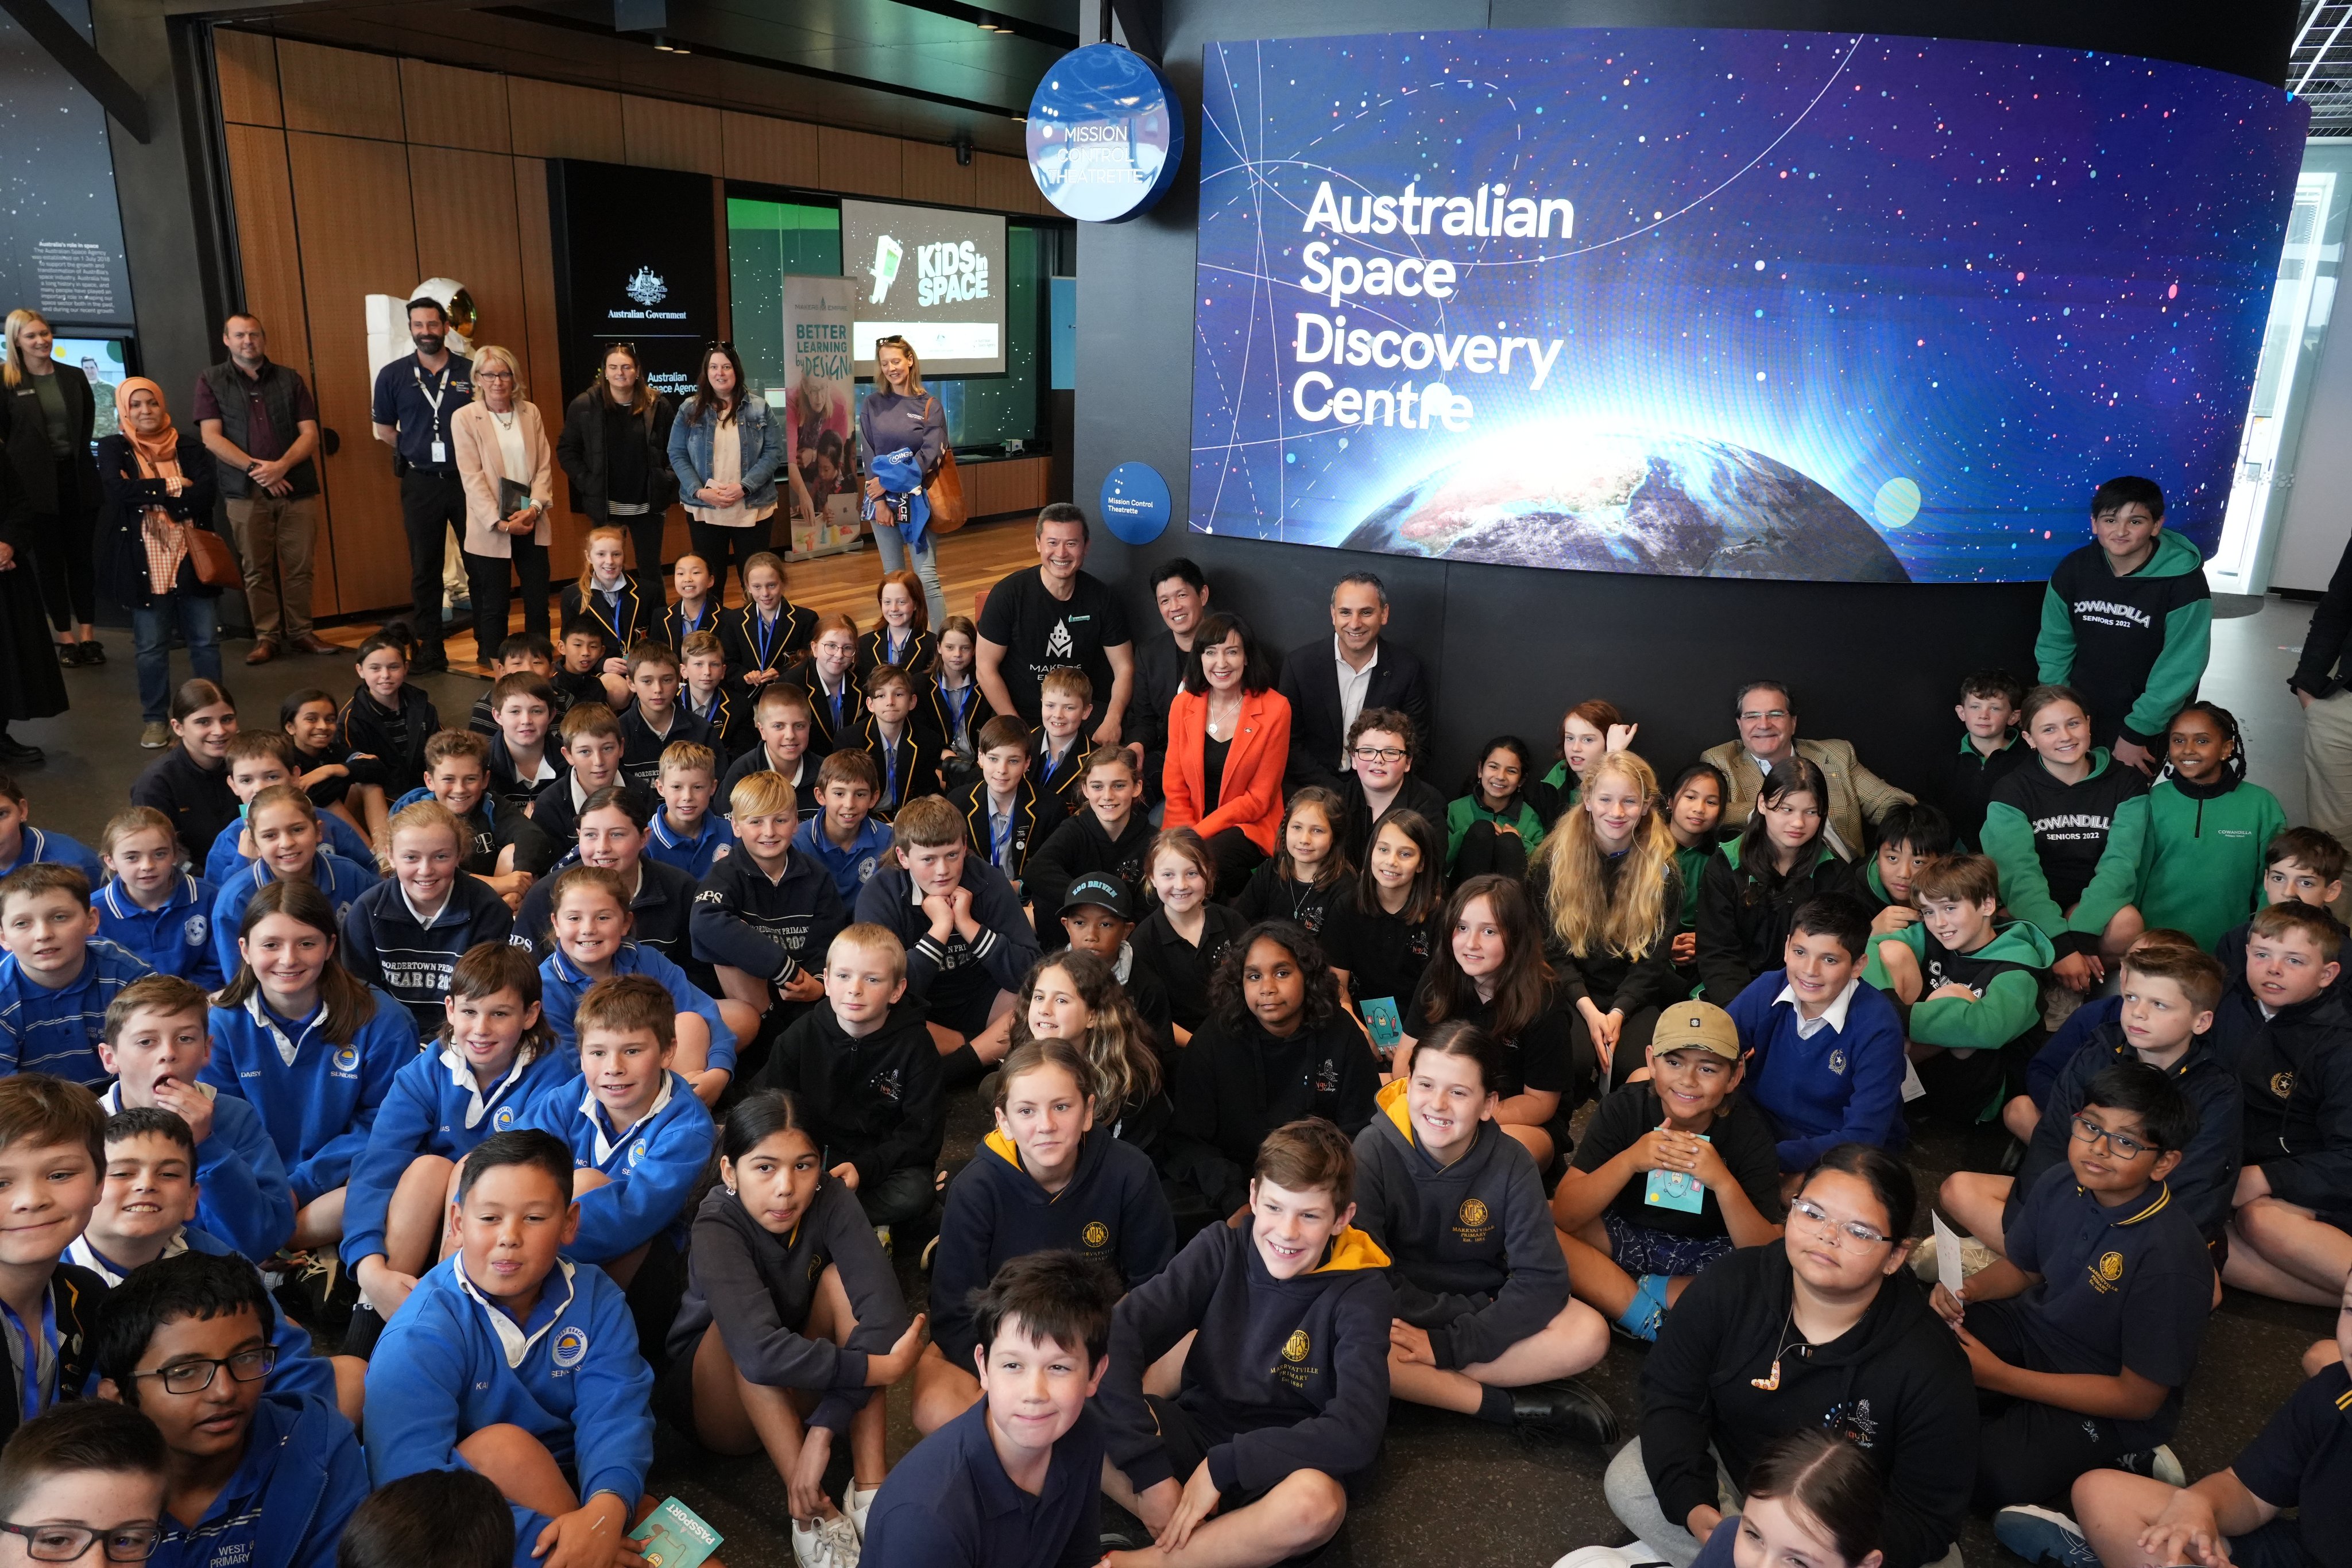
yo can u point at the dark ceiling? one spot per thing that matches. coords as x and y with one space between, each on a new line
936 70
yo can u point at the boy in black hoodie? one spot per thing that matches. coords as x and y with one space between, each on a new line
966 939
766 914
1285 1387
1988 748
865 1067
2082 1339
2129 622
2291 1037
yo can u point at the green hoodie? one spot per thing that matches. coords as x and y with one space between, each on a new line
2067 847
2008 1002
2200 861
1466 811
2133 646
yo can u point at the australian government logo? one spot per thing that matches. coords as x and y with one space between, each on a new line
648 287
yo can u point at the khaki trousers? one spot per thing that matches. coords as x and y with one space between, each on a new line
275 538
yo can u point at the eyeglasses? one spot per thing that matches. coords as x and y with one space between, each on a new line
2123 1145
1752 716
494 375
1377 754
1814 1215
66 1542
195 1377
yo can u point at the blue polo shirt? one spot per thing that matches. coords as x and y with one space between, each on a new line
949 1503
2302 1458
693 856
2124 1287
849 868
56 1030
405 395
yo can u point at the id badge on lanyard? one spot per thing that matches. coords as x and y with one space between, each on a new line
441 390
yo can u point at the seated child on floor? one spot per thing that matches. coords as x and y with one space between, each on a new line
565 1429
1484 1324
1284 1392
2082 1338
1047 1179
1970 982
2168 997
1671 1172
791 1324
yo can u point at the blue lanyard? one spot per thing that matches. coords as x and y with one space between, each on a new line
685 626
596 596
891 646
999 840
890 763
32 1384
1050 766
834 698
763 631
959 704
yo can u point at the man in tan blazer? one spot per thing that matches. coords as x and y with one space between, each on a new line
1768 734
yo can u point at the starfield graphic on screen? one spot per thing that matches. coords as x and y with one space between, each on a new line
1723 303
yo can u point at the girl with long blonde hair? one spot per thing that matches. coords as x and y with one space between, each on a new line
1610 891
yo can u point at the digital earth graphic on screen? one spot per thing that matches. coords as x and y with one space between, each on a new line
1674 505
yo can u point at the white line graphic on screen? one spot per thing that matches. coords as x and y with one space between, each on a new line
1259 185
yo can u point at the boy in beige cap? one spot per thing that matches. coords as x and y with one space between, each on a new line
1671 1172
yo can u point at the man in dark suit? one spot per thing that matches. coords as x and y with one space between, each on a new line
1181 593
1328 686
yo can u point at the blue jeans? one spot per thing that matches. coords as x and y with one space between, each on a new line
927 565
150 634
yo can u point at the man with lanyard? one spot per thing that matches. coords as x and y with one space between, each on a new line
1054 614
415 399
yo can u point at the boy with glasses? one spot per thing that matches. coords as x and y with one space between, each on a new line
81 1484
1381 744
253 1475
2084 1337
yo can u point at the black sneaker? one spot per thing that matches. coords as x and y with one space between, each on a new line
93 652
17 754
1566 1408
432 661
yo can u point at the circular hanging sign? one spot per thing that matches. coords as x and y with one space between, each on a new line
1135 503
1106 134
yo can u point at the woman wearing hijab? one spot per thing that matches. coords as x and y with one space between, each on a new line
157 482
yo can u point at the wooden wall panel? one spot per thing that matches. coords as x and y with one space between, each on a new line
465 203
340 91
268 255
858 161
449 108
659 133
535 244
556 119
352 209
769 151
1005 185
932 175
1015 484
247 63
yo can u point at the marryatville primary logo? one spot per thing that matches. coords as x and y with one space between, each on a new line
1295 1347
648 287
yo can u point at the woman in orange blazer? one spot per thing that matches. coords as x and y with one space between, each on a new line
498 435
1228 741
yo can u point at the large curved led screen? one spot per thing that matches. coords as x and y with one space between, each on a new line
1723 303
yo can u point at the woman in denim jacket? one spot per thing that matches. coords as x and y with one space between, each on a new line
726 448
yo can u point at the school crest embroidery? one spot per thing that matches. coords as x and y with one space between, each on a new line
196 929
1095 1235
502 1120
1837 1061
2107 1272
2282 1084
1474 1213
1295 1348
886 1085
1326 1077
636 1153
570 1349
347 1059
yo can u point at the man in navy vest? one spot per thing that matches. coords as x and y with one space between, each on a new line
261 425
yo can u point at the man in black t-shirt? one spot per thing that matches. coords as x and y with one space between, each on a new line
1182 594
1055 614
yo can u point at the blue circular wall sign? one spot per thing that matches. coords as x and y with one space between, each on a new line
1135 502
1106 133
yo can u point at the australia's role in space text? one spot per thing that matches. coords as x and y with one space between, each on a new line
1336 275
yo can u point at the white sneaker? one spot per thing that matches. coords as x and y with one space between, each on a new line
1634 1553
808 1546
858 1503
839 1537
2165 1466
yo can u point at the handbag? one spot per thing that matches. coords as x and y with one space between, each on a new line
945 493
215 564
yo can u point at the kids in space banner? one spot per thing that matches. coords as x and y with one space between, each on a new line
818 412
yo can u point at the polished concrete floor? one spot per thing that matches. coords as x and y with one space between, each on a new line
1449 1489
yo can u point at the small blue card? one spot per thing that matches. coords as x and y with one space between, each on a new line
1676 1190
1387 1025
675 1536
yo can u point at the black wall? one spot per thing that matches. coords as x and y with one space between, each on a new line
1510 648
